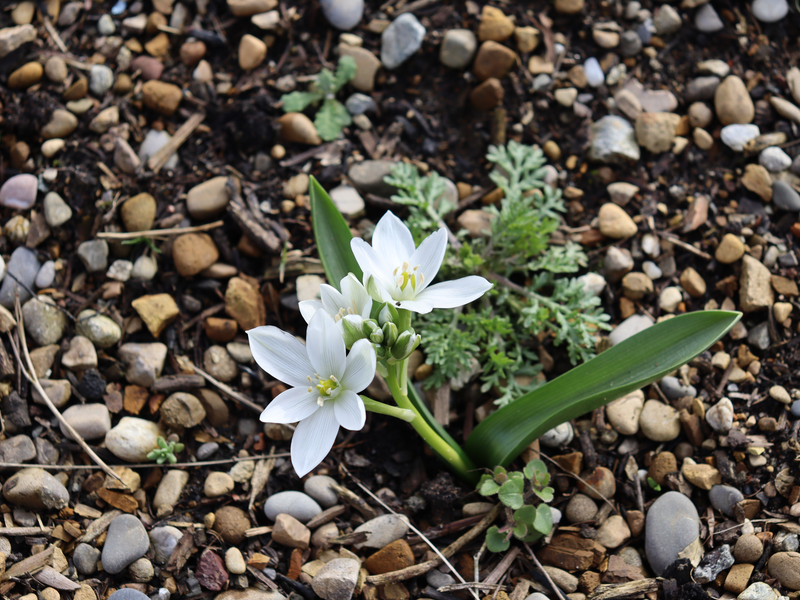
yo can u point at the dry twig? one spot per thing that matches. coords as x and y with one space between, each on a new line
160 158
132 235
229 390
556 590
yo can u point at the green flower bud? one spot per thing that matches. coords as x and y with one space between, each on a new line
389 334
370 328
406 343
352 333
388 314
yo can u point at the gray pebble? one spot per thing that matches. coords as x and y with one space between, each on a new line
101 78
458 48
560 435
758 336
674 390
724 498
127 594
672 525
707 20
630 44
402 38
438 579
46 275
795 408
784 196
368 176
207 450
713 564
126 542
613 140
23 265
343 14
296 504
25 518
786 542
94 255
382 531
164 540
85 559
358 104
105 25
43 320
319 488
770 11
701 89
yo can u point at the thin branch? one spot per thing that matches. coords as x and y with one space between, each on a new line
30 375
583 481
160 158
556 589
228 390
679 242
200 463
132 235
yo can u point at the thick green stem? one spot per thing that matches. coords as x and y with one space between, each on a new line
385 409
404 322
459 462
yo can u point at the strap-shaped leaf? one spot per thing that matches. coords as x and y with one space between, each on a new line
624 368
332 236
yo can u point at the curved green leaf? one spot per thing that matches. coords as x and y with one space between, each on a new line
624 368
332 236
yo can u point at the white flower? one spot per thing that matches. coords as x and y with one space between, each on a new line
395 271
353 303
325 385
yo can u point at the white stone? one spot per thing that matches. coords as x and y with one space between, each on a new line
120 270
132 439
593 283
630 326
153 142
736 136
720 416
348 201
707 20
774 160
769 11
651 270
669 298
145 268
594 73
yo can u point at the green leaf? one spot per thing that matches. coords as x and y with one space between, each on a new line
162 443
298 101
653 484
526 514
330 119
520 530
178 448
546 493
487 486
332 236
535 469
543 523
345 71
325 83
496 541
624 368
422 409
510 493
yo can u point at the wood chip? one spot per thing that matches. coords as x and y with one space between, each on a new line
52 578
160 158
181 553
355 501
99 526
124 502
31 564
327 515
624 590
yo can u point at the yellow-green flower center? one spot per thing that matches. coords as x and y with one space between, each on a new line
327 388
406 277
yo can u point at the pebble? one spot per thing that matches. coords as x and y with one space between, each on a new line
602 482
126 542
231 523
55 68
437 579
785 567
758 591
19 192
17 449
143 362
666 20
85 559
701 88
207 450
623 414
487 95
43 320
296 127
527 39
758 336
630 326
617 262
651 270
133 438
234 561
219 364
337 579
580 509
593 73
12 38
161 97
94 255
169 492
296 504
613 141
194 252
343 14
736 136
732 99
659 422
693 283
714 563
319 488
368 176
36 489
125 158
90 421
769 11
494 25
61 124
163 541
52 147
153 141
755 289
290 532
144 268
402 38
613 532
707 20
615 222
100 329
656 130
458 48
779 393
182 410
774 160
748 548
24 266
128 594
218 484
252 52
101 78
367 65
348 201
672 525
558 436
674 390
720 416
730 249
358 104
27 75
141 570
240 352
593 283
382 531
105 25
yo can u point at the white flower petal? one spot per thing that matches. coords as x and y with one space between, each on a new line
291 406
376 288
325 346
308 308
422 307
313 439
350 411
281 355
332 299
367 258
355 293
392 241
450 294
360 369
429 256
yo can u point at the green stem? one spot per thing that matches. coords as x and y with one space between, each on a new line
459 462
404 322
385 409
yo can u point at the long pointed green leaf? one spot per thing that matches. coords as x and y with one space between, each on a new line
628 366
332 236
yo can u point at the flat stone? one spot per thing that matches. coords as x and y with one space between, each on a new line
785 197
337 579
19 192
209 199
56 211
12 38
100 329
133 438
659 422
94 255
157 311
630 326
17 449
319 488
382 531
755 289
182 410
348 201
167 495
126 542
401 39
671 531
91 421
613 141
458 48
707 20
24 266
36 489
44 322
367 65
296 504
290 532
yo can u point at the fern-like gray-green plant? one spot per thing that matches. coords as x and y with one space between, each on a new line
531 295
332 116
